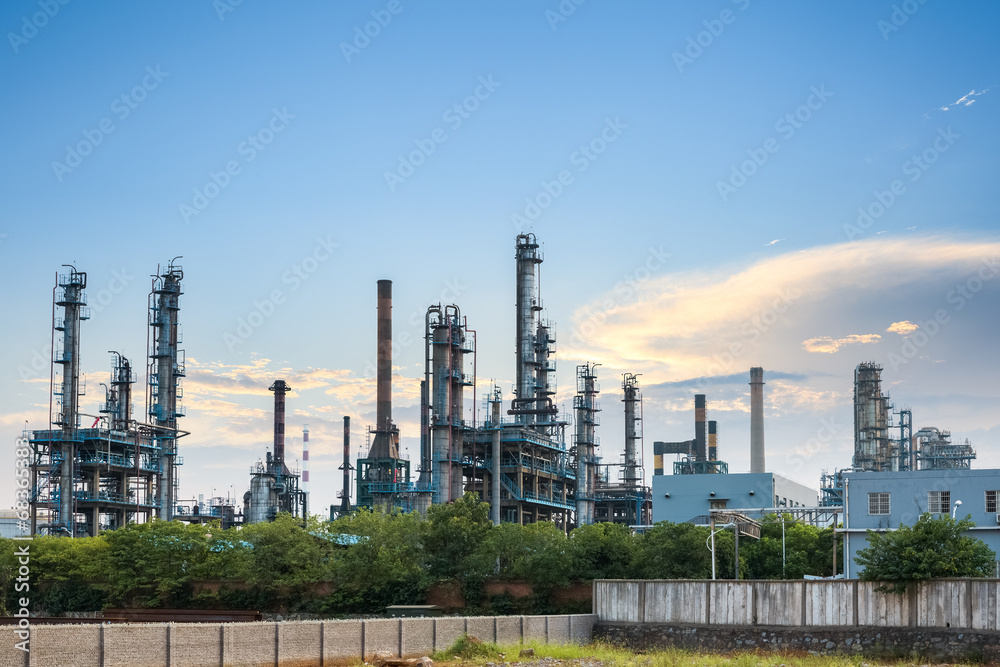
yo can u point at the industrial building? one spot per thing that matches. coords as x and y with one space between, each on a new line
521 462
701 484
882 500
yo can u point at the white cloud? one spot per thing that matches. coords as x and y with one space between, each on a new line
965 100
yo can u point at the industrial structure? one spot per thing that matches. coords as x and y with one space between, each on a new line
877 450
274 487
119 470
521 464
698 456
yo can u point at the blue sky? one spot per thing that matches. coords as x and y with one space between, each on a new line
740 140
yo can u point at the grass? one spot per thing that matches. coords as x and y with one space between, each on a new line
470 651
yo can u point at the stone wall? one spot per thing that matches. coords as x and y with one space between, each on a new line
925 643
286 644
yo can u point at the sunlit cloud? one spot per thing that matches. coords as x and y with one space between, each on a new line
828 345
902 328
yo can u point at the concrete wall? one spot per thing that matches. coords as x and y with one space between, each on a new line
948 603
286 644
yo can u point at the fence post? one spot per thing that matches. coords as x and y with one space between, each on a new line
854 600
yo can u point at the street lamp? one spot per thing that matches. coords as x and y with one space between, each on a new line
958 504
711 538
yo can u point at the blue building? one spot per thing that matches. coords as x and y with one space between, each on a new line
689 498
883 500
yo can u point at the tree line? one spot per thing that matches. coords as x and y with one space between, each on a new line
365 561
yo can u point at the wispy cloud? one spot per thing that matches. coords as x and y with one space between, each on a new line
965 100
828 345
773 242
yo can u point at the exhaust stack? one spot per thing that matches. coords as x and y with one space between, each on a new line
756 419
384 446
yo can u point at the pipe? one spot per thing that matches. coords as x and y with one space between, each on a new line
345 499
495 474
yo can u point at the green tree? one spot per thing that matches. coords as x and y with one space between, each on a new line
931 548
454 536
385 566
602 551
678 551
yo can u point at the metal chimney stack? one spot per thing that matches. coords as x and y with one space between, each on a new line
345 498
700 447
713 442
279 388
384 445
756 419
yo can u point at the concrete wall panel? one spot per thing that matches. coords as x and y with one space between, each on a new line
382 634
508 629
341 640
482 628
195 645
446 631
418 637
299 642
249 644
66 645
135 645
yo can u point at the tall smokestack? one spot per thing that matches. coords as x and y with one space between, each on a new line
700 448
383 419
279 388
713 443
756 419
345 499
384 445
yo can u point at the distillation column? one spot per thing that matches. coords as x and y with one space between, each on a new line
449 341
586 409
305 461
528 305
633 431
871 419
757 419
166 368
71 298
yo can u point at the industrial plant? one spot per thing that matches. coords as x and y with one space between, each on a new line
527 458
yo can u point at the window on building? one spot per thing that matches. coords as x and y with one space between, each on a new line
717 504
939 502
991 501
878 502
